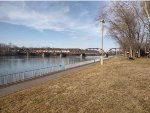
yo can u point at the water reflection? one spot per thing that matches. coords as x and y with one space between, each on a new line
13 64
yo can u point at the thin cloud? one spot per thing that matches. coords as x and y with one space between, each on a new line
57 17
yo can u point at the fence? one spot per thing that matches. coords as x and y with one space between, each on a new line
21 76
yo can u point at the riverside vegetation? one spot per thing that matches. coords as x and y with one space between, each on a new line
119 86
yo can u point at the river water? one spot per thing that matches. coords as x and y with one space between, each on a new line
10 65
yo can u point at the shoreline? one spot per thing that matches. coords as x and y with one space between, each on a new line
21 85
32 70
31 82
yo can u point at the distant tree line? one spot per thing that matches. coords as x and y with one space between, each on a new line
5 49
128 23
11 49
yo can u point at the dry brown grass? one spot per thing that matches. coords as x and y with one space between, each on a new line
120 86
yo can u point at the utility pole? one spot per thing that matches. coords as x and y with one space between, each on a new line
103 21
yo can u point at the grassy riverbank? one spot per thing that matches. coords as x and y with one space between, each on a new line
120 86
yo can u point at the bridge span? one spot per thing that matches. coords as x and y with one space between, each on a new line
62 52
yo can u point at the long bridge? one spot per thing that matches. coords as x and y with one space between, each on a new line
62 52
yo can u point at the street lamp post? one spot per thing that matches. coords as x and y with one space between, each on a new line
103 21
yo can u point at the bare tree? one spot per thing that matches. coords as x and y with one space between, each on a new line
126 25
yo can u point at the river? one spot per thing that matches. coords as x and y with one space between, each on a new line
12 64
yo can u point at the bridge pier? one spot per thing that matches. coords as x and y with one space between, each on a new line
43 55
82 55
27 54
60 55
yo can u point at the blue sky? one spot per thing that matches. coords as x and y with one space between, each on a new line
53 24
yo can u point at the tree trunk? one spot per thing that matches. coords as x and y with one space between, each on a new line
125 53
131 52
139 53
